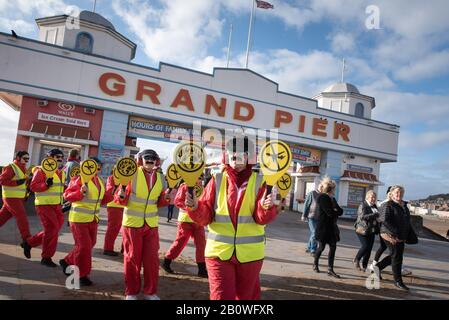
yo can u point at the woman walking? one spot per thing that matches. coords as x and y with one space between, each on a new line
395 228
327 231
366 228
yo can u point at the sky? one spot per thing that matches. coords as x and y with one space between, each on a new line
401 59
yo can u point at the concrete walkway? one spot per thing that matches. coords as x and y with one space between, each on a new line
286 274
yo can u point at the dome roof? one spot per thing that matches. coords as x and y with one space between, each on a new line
342 87
95 18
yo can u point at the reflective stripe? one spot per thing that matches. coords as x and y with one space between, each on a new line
237 240
44 194
140 200
141 214
16 172
18 188
90 200
240 219
218 178
82 210
57 185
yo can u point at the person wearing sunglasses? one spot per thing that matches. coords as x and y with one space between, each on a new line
142 197
48 203
84 217
14 189
235 207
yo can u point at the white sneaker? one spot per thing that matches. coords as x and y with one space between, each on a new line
151 297
131 298
372 267
405 272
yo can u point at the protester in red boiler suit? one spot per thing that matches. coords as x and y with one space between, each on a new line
84 217
236 209
48 202
14 190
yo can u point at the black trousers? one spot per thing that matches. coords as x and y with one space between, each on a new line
330 256
365 251
381 249
395 259
170 211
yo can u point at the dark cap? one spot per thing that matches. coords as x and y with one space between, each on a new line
54 152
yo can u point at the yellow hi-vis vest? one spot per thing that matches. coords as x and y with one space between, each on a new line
184 217
112 204
52 195
17 192
142 202
88 209
248 241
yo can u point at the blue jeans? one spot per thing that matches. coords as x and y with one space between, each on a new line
311 246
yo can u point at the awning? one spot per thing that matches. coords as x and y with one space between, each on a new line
55 130
307 171
361 177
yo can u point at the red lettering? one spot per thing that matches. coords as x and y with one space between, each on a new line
212 103
183 99
282 117
239 105
118 87
342 130
319 127
149 89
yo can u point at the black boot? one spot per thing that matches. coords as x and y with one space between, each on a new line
202 271
110 253
85 281
26 249
48 262
401 285
316 268
166 266
331 273
64 265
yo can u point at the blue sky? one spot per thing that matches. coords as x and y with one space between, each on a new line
300 45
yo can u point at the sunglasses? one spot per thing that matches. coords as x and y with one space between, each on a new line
149 162
26 159
149 158
59 157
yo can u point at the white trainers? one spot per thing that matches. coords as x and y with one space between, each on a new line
371 267
405 272
151 297
131 298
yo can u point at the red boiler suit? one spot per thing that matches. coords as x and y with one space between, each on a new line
141 247
84 234
51 217
185 231
115 216
231 280
14 206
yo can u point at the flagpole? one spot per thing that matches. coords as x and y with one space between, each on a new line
249 33
229 47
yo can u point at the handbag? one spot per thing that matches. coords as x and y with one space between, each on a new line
361 227
412 238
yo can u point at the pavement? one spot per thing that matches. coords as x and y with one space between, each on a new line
286 274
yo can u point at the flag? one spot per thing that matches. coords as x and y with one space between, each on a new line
264 4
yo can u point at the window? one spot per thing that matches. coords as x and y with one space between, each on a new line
359 110
51 36
84 42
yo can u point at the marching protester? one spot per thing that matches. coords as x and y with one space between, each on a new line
115 217
73 161
186 229
327 231
235 207
366 228
395 230
84 216
141 198
48 202
311 212
14 190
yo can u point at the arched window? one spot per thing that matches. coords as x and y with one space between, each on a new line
359 110
84 42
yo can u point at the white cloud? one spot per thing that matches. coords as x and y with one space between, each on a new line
433 65
424 140
342 42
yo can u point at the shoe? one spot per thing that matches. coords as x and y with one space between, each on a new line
131 297
110 253
64 265
357 264
151 297
202 271
26 249
401 286
405 272
166 266
372 268
85 281
331 273
316 268
48 262
307 251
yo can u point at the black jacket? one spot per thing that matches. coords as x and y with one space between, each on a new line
367 216
395 220
327 229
